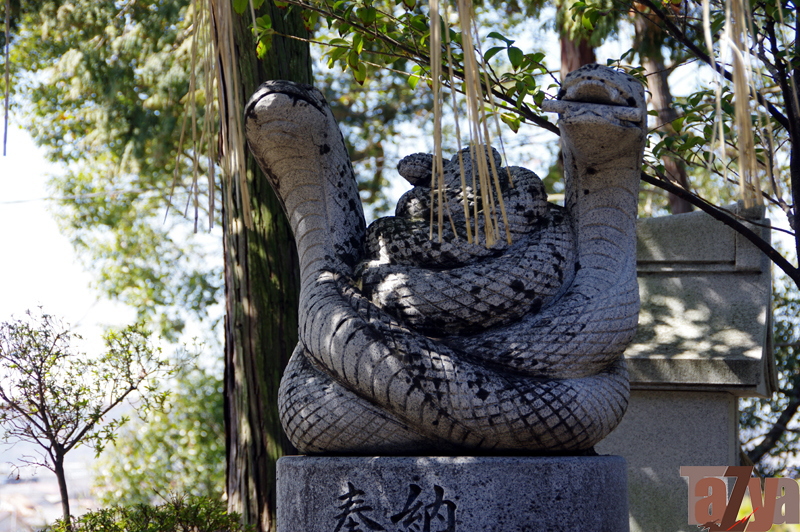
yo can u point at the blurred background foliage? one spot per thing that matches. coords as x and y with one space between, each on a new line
179 450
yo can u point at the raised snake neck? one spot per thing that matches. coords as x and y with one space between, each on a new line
364 381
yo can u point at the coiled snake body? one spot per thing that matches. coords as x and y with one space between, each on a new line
409 345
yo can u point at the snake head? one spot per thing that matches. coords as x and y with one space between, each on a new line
283 121
602 113
293 136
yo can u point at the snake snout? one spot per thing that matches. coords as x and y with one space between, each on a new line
596 91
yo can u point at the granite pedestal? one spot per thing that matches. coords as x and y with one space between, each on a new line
452 494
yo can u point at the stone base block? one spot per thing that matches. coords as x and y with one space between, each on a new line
452 494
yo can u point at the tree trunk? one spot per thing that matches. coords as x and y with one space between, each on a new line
575 54
58 469
649 40
261 289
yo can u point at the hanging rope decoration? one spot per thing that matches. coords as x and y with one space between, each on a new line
737 33
485 178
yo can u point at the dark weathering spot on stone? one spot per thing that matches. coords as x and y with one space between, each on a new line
324 149
517 285
250 112
591 170
482 394
475 290
631 101
585 191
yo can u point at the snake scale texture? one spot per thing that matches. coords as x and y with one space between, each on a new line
410 345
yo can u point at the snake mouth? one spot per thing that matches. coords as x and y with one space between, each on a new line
589 96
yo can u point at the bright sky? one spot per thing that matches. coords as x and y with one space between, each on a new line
37 263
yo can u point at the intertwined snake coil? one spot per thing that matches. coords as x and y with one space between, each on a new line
410 345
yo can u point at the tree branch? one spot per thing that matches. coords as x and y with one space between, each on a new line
680 36
779 428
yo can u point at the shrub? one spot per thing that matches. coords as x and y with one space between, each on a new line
178 514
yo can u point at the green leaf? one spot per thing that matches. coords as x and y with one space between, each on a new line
413 79
530 81
410 4
358 43
587 23
495 35
491 52
240 6
367 15
515 56
257 3
694 141
264 23
360 73
263 46
310 20
512 121
419 23
353 61
334 54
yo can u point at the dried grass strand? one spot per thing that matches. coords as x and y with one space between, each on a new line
7 77
485 174
737 30
232 155
464 194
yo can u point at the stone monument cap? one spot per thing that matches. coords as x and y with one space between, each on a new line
705 321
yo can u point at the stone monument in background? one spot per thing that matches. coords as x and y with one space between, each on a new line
704 340
458 384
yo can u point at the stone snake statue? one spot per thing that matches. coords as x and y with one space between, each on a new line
410 345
